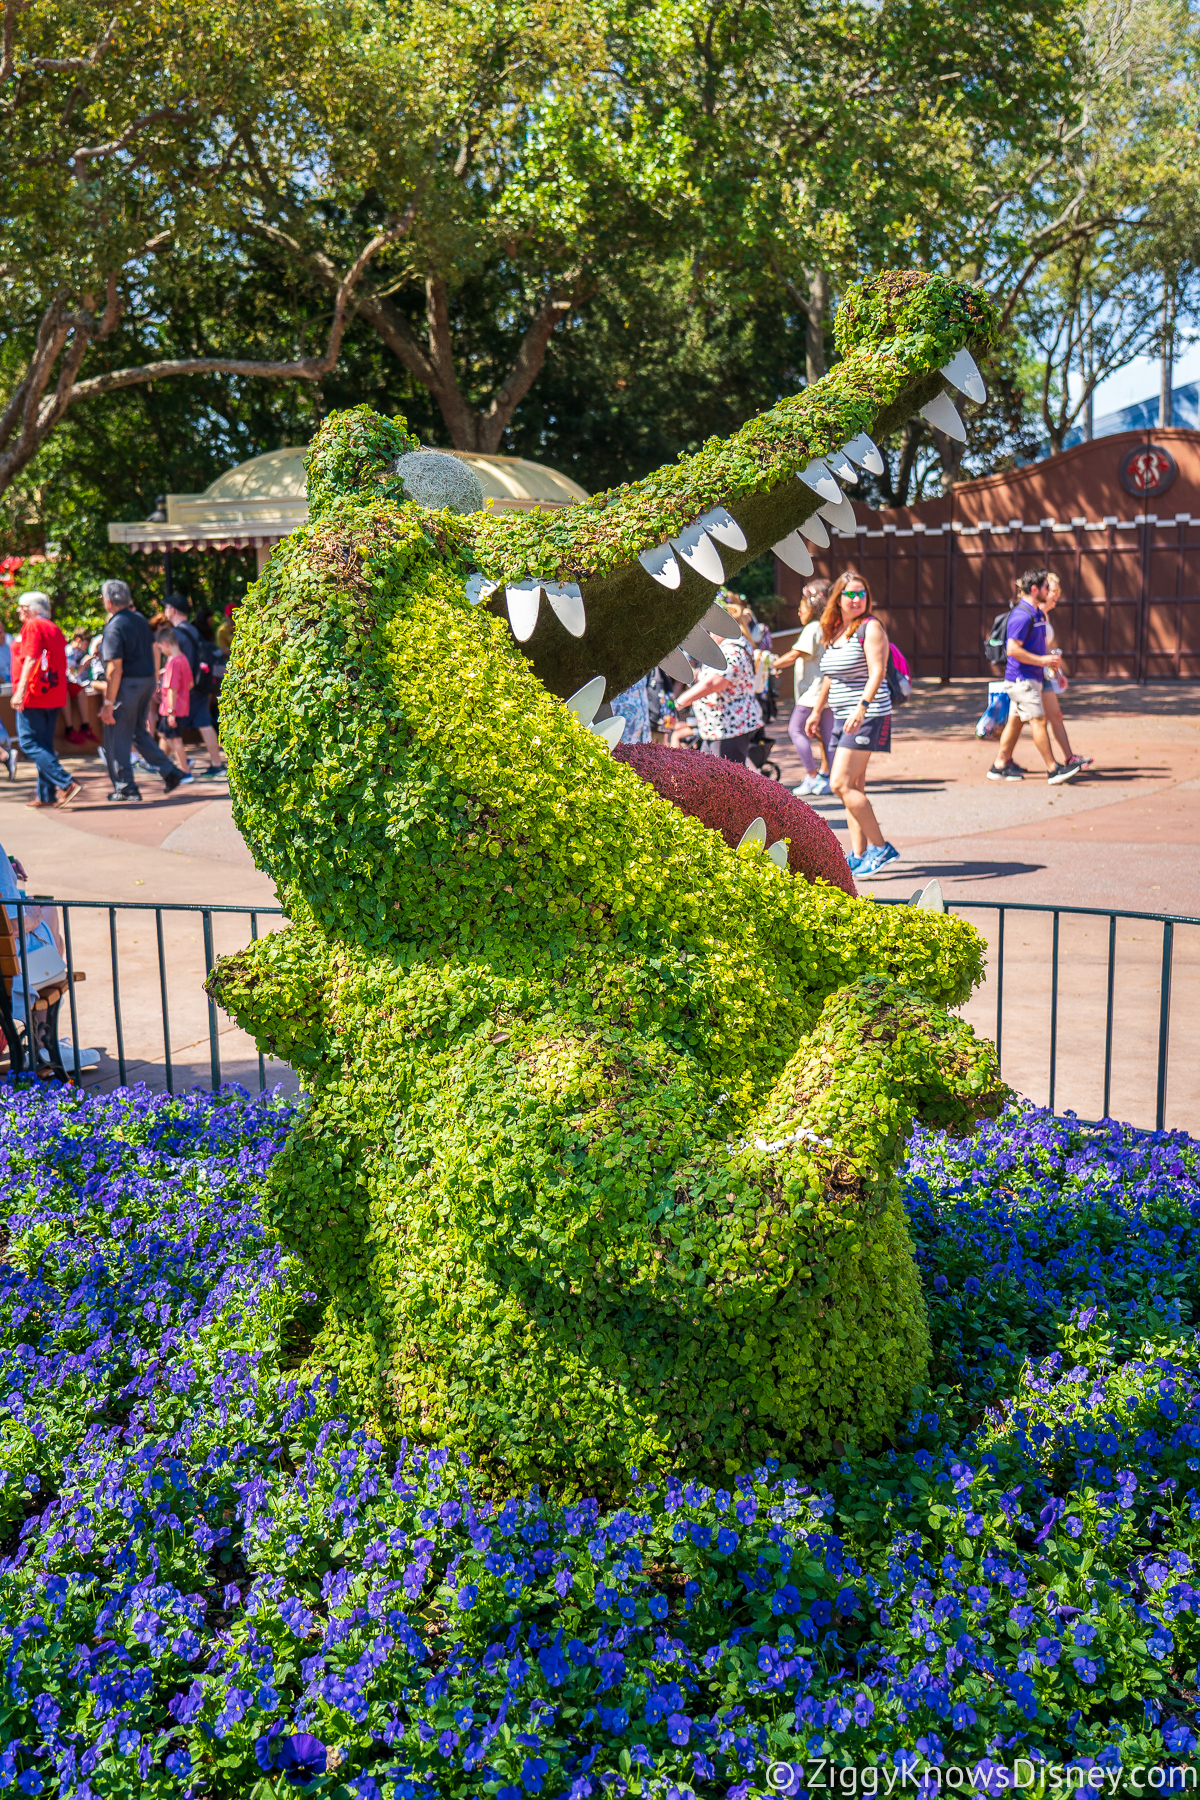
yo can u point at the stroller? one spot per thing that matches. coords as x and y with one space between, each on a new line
758 755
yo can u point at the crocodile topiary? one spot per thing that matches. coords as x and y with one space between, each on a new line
599 1163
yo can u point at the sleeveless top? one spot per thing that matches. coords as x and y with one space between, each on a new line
846 667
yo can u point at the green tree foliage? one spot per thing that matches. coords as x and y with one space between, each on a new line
115 137
527 168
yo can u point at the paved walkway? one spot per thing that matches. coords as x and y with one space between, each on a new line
1125 835
169 850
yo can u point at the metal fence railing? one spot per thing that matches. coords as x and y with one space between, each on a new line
151 1009
1120 1008
1079 1001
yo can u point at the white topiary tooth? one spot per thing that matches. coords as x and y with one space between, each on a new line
567 604
661 565
818 477
792 551
755 833
962 372
523 599
863 451
721 525
930 898
704 649
814 530
478 588
841 515
677 666
842 467
611 730
585 701
778 853
697 550
718 621
942 416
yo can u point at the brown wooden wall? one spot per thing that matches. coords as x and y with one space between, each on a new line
1129 561
1130 605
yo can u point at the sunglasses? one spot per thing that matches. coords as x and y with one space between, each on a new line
854 593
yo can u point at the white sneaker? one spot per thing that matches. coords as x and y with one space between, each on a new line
88 1059
821 785
806 786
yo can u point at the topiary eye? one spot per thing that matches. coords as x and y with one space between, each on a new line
435 479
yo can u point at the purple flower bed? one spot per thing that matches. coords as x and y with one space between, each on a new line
213 1583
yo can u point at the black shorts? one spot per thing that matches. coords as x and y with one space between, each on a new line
730 749
872 734
167 730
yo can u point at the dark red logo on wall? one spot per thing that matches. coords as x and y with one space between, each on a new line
1147 471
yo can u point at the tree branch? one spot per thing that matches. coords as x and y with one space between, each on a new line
72 335
527 365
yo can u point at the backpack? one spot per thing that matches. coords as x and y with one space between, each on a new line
197 653
899 684
995 644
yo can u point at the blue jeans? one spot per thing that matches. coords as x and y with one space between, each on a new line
36 726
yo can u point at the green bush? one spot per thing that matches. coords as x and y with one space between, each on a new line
599 1163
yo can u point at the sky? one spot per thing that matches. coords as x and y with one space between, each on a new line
1140 379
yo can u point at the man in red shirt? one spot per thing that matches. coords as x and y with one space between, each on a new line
39 682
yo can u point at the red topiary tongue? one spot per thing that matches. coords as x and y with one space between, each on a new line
727 798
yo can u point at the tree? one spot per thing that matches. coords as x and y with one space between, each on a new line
116 135
1078 230
534 175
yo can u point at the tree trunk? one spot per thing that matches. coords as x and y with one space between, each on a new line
909 439
1168 356
814 326
64 339
950 454
479 429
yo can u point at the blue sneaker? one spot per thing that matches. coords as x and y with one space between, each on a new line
821 785
876 858
855 862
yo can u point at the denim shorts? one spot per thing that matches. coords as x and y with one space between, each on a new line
872 734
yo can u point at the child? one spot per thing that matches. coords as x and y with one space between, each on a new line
174 698
78 731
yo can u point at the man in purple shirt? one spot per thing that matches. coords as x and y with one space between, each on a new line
1024 675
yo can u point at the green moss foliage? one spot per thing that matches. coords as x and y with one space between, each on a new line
598 1163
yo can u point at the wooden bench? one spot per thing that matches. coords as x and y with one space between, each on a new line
47 1000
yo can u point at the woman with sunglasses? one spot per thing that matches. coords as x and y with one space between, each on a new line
854 682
